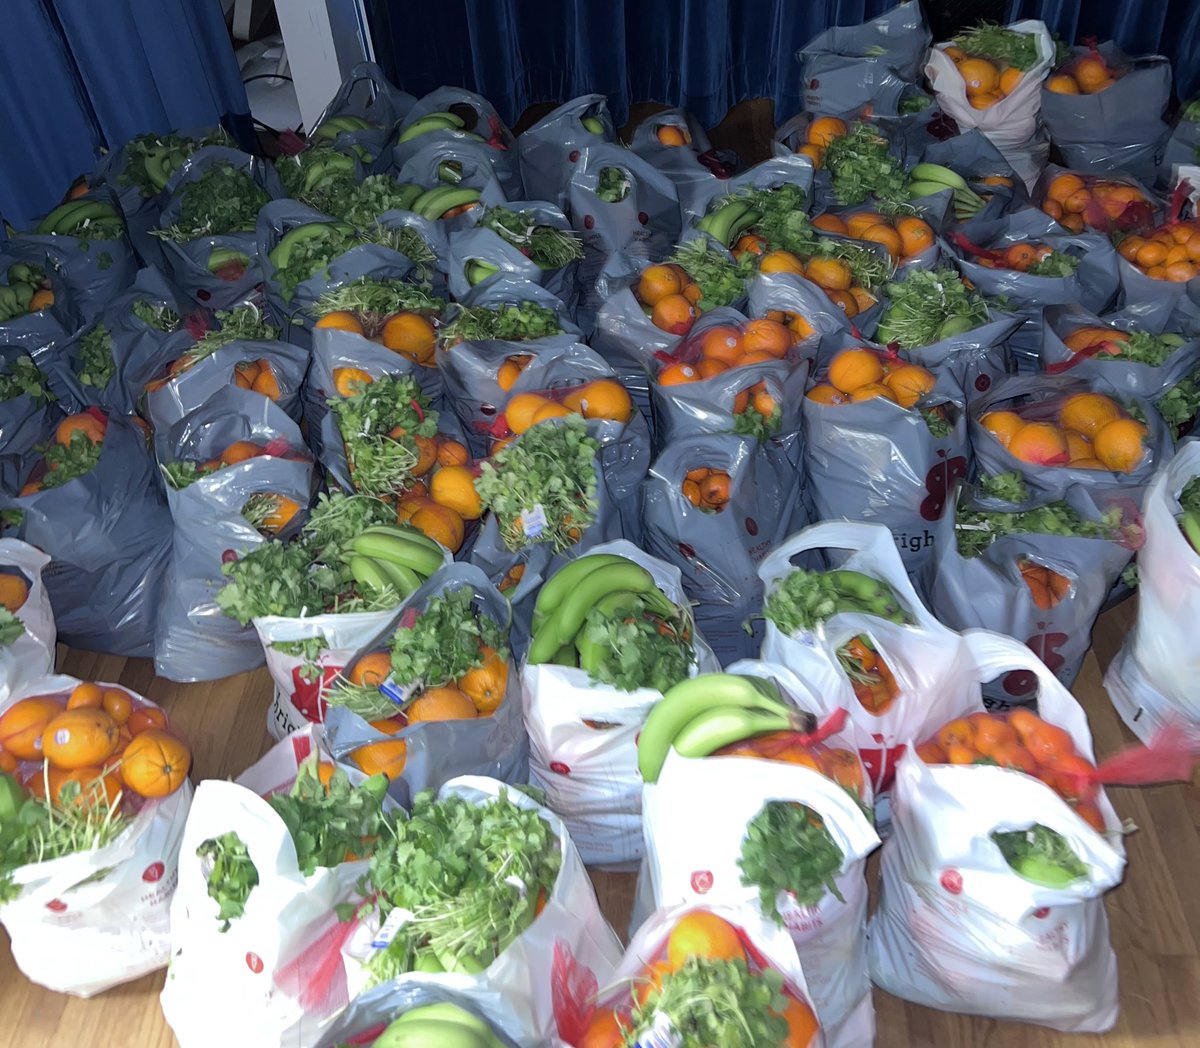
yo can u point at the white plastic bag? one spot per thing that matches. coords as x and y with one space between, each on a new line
570 921
956 928
93 920
695 819
925 657
1155 675
31 656
1009 122
233 987
583 738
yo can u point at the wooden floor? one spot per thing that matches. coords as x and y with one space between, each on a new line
1155 913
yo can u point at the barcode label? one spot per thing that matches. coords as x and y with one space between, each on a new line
661 1034
533 521
396 920
398 693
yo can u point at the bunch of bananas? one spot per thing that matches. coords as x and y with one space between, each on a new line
83 217
603 580
928 179
1189 522
161 160
392 556
733 215
699 716
281 254
440 121
336 125
436 202
17 296
222 258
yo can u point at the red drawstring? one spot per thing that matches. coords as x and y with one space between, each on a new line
1169 757
573 990
960 241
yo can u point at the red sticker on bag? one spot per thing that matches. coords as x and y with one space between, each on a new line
153 872
254 963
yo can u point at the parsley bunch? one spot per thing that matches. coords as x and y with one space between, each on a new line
65 462
546 245
11 627
156 315
861 165
928 306
1055 264
374 301
224 199
999 44
788 850
721 280
96 364
23 380
139 149
613 185
312 256
510 322
632 648
445 642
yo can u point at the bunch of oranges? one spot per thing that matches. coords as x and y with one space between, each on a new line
1089 431
724 347
858 374
1167 252
256 375
842 766
109 742
408 333
1085 77
699 934
987 82
670 297
818 135
603 398
904 236
1017 256
1082 339
707 489
831 275
1022 741
1075 201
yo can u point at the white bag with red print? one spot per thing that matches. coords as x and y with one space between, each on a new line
31 656
956 927
254 984
583 738
93 920
925 657
695 820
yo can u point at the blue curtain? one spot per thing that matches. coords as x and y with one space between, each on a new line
78 76
702 54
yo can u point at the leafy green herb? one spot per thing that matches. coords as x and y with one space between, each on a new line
547 246
156 315
11 627
176 149
1007 487
374 301
787 849
232 876
861 165
243 323
182 473
753 423
938 424
338 518
308 650
804 599
1055 264
510 322
1041 855
551 466
470 875
633 647
23 379
65 462
721 280
928 306
445 641
96 364
274 579
976 529
223 200
995 42
1191 112
613 185
914 103
313 256
1189 497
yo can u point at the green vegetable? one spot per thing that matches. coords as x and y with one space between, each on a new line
552 466
445 641
11 627
613 185
241 324
96 364
312 256
175 148
1189 496
1007 487
337 519
1142 347
787 849
407 240
804 599
938 424
860 165
308 651
223 200
373 301
382 464
510 322
232 876
1041 855
274 579
1191 112
914 103
637 649
1181 403
714 1004
928 306
182 473
66 462
23 380
752 423
470 875
156 315
999 44
721 280
1055 264
548 246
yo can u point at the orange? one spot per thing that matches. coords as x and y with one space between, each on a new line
90 426
703 934
454 486
1076 203
42 299
763 402
799 326
1062 186
485 685
86 696
674 314
118 705
77 738
410 334
1120 445
266 383
1092 75
550 410
830 223
824 130
657 282
881 234
520 410
440 523
692 293
984 99
672 135
802 1025
23 724
824 393
863 299
909 383
604 398
348 381
781 262
691 489
706 367
979 75
1002 425
1021 256
1062 84
677 374
1087 413
871 391
145 718
604 1030
426 451
955 53
1078 446
749 244
452 453
386 757
96 784
1180 271
768 336
832 275
915 235
854 368
239 451
1009 80
440 704
714 489
845 301
861 221
814 153
341 320
371 670
1151 253
1053 209
723 342
510 370
1042 443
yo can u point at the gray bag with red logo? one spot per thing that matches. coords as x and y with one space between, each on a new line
694 167
553 150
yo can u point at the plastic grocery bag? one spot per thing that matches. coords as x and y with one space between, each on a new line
583 738
34 329
31 655
989 590
974 157
194 638
570 924
554 149
956 927
367 95
620 204
1152 681
27 415
251 967
695 820
924 657
1183 144
109 534
90 921
789 170
372 1012
847 67
675 143
788 293
718 552
877 462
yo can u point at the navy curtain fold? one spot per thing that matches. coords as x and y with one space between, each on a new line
81 75
702 54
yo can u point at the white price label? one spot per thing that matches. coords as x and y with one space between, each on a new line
662 1034
533 521
396 920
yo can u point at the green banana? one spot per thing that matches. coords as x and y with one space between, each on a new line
369 575
477 271
407 195
8 299
322 168
281 253
432 1033
593 124
450 172
224 256
396 548
727 223
24 293
432 122
563 581
857 584
724 725
924 189
23 271
434 203
937 173
567 655
407 532
682 703
444 1011
62 213
336 125
1191 529
403 579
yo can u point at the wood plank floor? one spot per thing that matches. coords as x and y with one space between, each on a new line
1155 913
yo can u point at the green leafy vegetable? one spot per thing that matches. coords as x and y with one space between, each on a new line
11 627
274 579
633 648
156 315
244 323
312 256
65 462
23 379
182 473
753 423
804 599
96 364
1041 855
232 875
613 185
445 641
548 246
721 280
928 306
1055 264
860 165
938 424
788 850
174 148
373 301
338 518
222 200
1142 347
999 44
1189 496
511 322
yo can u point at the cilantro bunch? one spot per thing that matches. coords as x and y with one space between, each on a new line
1055 264
546 245
510 322
1000 44
861 165
223 199
337 519
378 424
1143 348
721 280
633 648
65 462
244 323
312 256
788 850
96 364
470 875
1189 497
613 185
24 379
373 301
1181 403
445 641
551 466
11 627
156 315
928 306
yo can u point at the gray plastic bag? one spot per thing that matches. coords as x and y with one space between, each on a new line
1038 397
847 67
974 157
433 159
194 639
552 150
769 174
495 746
367 94
29 416
989 592
1183 143
719 552
512 291
694 167
36 329
788 293
876 462
109 534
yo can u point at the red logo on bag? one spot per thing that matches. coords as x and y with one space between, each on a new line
1045 646
881 764
307 695
559 768
952 881
154 872
643 217
983 383
254 963
687 551
702 881
1042 912
588 221
56 906
751 525
939 481
573 156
